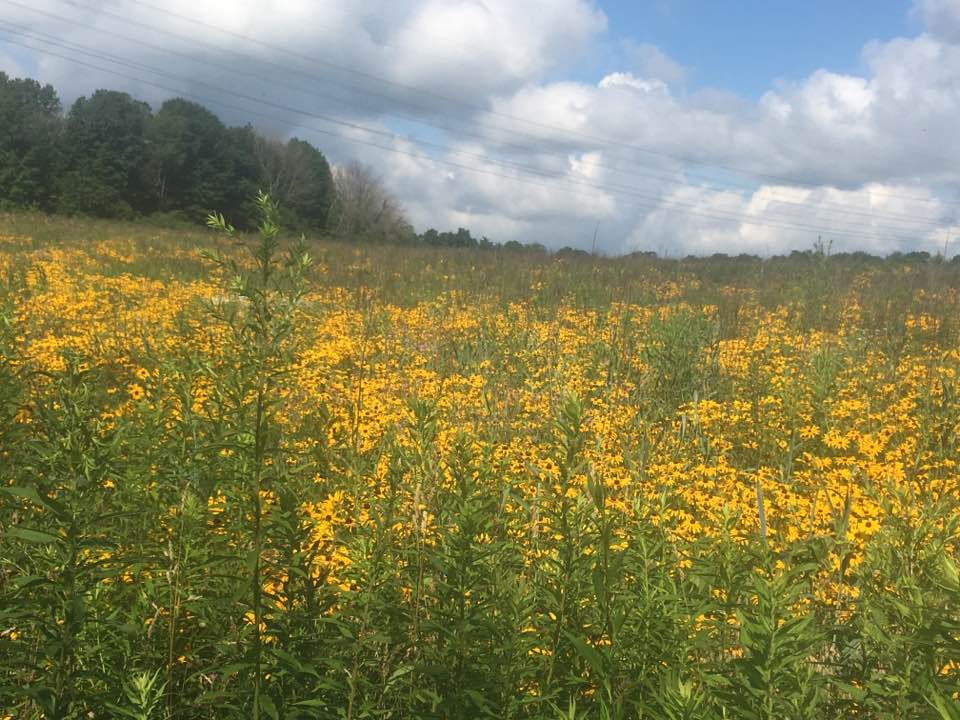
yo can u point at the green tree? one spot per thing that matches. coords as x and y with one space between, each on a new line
195 164
104 150
461 238
298 176
246 185
30 125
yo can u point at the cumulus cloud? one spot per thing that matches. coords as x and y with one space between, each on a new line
432 45
649 61
882 127
940 17
627 80
880 219
472 122
497 44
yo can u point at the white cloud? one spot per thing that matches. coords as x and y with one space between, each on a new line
878 218
627 80
940 17
431 44
651 62
497 44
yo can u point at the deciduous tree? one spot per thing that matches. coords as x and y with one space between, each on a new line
365 211
104 150
297 175
30 125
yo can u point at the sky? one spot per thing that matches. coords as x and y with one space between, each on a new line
678 126
748 46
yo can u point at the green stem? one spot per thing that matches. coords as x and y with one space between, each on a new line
257 543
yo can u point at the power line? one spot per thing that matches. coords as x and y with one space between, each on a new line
455 101
76 47
824 206
291 69
656 204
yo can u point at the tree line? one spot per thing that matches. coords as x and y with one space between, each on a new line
112 156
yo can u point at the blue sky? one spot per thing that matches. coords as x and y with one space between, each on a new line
744 46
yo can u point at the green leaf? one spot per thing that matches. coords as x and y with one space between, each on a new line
951 575
123 711
856 693
311 703
27 493
399 673
947 709
266 704
587 652
35 536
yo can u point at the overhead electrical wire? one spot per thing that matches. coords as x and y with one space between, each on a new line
456 101
822 206
653 203
361 89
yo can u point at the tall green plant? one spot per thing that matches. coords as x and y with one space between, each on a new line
259 315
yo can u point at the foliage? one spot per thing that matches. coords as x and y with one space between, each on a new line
111 156
449 483
29 142
298 177
197 164
104 148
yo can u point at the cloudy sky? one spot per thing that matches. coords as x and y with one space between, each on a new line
680 126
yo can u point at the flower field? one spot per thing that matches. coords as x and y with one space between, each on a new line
237 480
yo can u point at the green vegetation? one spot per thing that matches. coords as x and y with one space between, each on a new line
111 156
277 480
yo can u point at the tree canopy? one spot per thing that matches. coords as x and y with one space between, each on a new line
30 127
103 151
112 156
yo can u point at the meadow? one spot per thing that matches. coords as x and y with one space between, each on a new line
242 476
